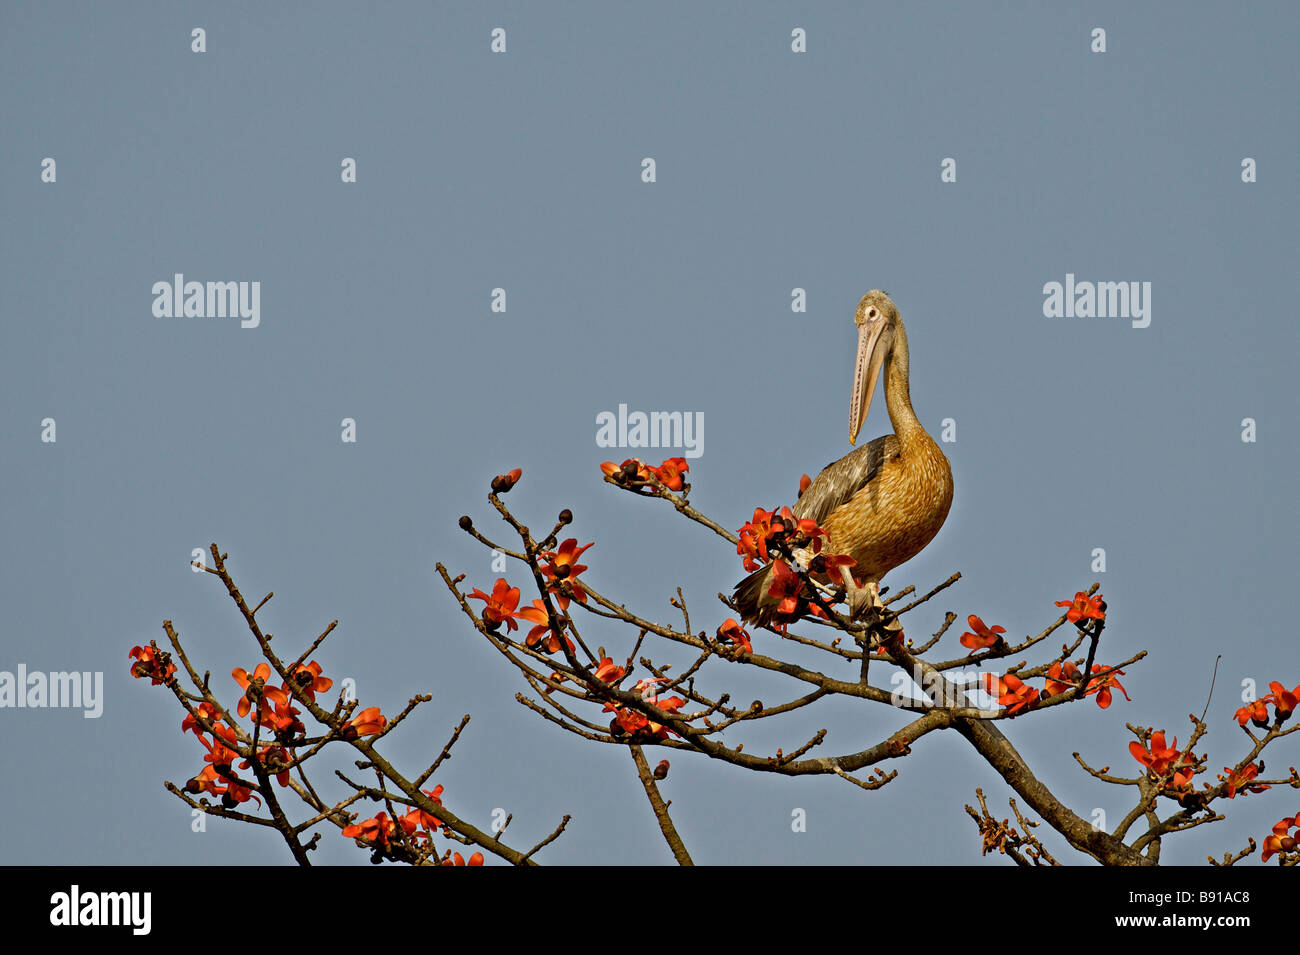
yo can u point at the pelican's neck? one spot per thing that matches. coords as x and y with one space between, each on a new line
898 398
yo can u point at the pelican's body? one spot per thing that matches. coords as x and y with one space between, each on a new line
883 503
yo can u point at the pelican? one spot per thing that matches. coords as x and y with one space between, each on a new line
882 503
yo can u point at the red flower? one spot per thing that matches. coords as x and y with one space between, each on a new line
803 527
378 831
208 712
276 760
499 608
220 753
670 473
637 724
542 633
753 539
1243 780
1179 787
309 680
283 721
1062 677
786 586
1159 759
983 637
1284 700
607 671
418 817
732 632
1280 840
1101 685
504 482
631 473
770 533
563 566
1011 691
229 788
458 859
153 663
805 482
1083 607
366 723
256 690
1256 711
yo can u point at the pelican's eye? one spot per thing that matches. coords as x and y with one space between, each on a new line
873 313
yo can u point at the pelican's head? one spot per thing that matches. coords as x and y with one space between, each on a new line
876 318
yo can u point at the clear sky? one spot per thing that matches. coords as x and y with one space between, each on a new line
775 170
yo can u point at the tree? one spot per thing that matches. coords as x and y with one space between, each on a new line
262 751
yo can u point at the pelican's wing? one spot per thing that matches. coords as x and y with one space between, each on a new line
839 481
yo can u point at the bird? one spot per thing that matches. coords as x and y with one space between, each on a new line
882 503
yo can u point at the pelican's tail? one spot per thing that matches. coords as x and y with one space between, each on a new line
752 598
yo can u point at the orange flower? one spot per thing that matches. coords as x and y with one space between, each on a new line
635 723
276 760
607 671
753 539
220 756
732 632
205 782
770 533
670 473
504 482
805 482
366 723
418 817
1256 711
256 690
1280 840
1011 691
983 637
1284 700
309 680
830 564
153 663
283 721
458 859
631 473
1083 607
1179 786
499 608
205 710
1243 780
1159 759
786 586
802 531
1101 685
542 633
229 788
563 566
1062 677
377 832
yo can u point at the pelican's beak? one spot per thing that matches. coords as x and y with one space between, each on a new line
871 356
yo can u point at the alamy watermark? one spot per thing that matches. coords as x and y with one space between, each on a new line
1071 299
181 299
655 429
75 907
58 689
